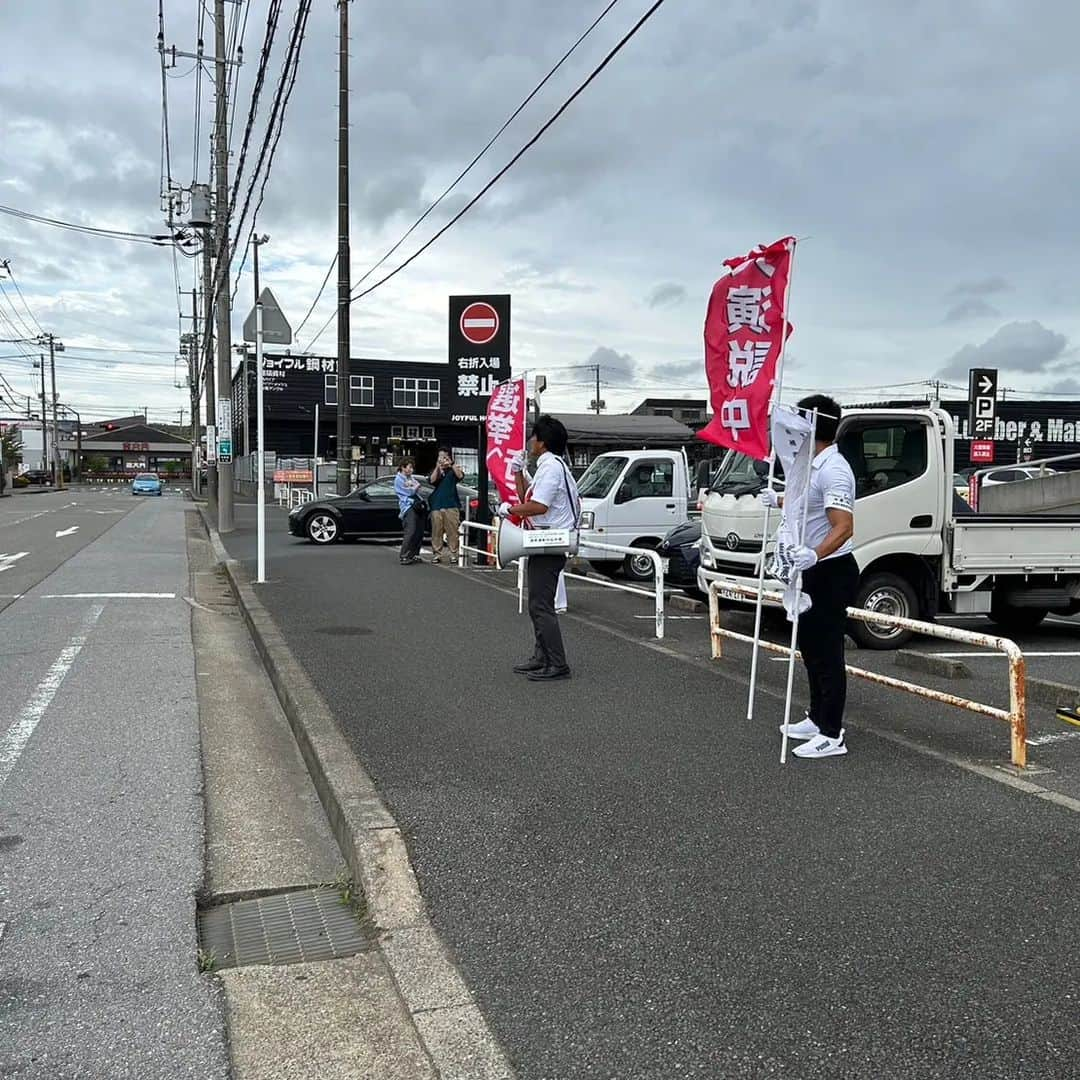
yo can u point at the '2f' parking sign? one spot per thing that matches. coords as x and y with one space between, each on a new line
982 402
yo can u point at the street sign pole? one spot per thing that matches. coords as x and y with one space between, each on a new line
260 439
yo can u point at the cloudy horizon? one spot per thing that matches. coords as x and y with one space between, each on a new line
922 154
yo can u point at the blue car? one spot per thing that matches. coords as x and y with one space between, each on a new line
146 483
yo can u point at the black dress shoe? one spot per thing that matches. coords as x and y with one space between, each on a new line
544 674
529 665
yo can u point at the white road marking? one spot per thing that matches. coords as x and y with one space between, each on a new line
18 735
8 561
1059 736
110 596
666 616
66 532
10 595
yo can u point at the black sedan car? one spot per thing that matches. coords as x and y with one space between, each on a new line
369 511
680 548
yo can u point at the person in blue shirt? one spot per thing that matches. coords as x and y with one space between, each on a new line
412 516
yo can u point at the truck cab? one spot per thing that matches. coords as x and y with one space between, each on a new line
632 498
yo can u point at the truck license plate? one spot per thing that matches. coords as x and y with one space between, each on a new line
665 564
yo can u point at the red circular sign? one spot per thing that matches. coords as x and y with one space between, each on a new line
479 323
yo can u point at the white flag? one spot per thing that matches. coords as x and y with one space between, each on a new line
793 444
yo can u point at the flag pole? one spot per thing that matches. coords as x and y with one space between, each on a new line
778 386
795 613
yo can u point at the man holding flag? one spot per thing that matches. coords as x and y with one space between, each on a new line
830 578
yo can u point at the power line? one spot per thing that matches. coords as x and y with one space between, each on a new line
468 168
514 160
14 281
157 239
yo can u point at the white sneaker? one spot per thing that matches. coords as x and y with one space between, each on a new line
822 746
804 729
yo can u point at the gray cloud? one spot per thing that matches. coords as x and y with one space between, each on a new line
666 294
614 365
1064 386
972 308
1016 346
679 370
983 287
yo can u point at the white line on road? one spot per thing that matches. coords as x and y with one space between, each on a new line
8 561
670 616
992 655
66 532
18 735
110 596
1042 740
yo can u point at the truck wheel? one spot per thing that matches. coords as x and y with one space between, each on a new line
891 595
1014 619
639 567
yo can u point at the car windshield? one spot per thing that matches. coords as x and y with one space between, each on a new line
146 476
740 475
598 478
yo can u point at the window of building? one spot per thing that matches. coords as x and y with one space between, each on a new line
416 393
397 431
412 432
428 433
330 390
361 389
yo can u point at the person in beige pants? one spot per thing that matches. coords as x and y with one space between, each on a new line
445 508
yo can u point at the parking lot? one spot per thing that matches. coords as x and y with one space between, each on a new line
635 887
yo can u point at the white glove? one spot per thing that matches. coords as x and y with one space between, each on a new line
504 510
770 499
803 557
518 462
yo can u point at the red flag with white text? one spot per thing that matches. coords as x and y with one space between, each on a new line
743 342
506 433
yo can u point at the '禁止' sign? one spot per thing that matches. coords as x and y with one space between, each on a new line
479 353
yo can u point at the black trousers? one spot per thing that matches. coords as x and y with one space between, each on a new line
413 525
543 572
831 586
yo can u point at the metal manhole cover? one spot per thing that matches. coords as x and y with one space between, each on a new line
344 631
286 928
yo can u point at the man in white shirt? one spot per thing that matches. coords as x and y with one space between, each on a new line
550 502
830 577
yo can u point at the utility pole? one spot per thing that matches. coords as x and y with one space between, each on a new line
597 389
256 242
222 308
194 356
59 474
344 420
208 378
45 459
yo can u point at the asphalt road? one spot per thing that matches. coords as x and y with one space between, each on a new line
636 888
101 827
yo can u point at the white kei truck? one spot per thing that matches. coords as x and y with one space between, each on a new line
632 498
921 550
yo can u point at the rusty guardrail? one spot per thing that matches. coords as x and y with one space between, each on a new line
1015 716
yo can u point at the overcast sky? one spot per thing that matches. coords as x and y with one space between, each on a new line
928 154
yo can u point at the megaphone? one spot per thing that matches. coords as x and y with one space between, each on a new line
511 542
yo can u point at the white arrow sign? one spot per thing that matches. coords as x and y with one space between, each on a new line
8 561
67 532
986 384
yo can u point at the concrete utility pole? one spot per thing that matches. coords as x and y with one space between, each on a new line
222 307
344 419
45 459
208 377
55 423
194 357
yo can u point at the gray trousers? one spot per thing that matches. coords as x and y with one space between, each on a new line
543 571
413 525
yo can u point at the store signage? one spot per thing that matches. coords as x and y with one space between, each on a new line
479 354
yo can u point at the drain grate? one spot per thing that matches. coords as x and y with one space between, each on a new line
285 928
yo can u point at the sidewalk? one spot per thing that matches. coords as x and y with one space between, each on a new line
632 884
101 827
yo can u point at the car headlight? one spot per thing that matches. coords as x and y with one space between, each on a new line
706 557
588 519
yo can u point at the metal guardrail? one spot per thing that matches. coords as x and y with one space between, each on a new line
1015 716
657 592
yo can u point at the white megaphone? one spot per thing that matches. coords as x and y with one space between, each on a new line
511 542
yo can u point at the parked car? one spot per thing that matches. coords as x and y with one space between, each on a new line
146 483
680 551
37 476
1009 474
370 510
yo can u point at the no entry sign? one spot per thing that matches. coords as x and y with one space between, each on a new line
479 323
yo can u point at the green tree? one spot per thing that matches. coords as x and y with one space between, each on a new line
97 463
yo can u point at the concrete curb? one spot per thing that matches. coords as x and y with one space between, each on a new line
932 665
1053 694
447 1019
687 603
